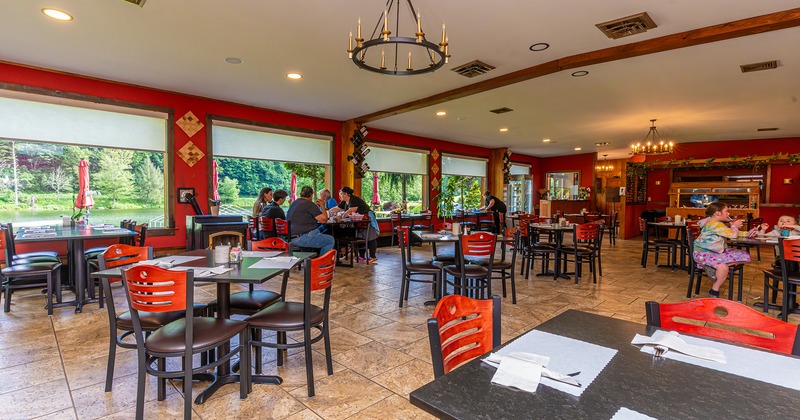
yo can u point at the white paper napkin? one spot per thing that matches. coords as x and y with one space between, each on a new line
518 373
157 263
495 360
673 341
261 254
204 271
628 414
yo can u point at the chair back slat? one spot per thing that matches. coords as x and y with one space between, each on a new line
266 224
154 289
586 232
120 254
281 227
789 249
725 320
273 244
479 244
319 271
462 329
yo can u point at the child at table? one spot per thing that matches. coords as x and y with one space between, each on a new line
710 248
787 226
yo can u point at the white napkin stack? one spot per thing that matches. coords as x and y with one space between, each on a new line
673 341
524 370
157 263
205 271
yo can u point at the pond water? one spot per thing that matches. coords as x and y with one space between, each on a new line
154 217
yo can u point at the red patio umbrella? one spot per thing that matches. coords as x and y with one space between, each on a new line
214 181
376 196
84 200
293 187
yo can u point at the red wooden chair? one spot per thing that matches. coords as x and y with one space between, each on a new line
282 229
397 222
153 290
302 316
266 227
585 248
462 329
786 279
472 278
253 226
710 317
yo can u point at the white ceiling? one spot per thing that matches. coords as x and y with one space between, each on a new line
696 93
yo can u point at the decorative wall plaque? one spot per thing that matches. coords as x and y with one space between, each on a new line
189 124
190 153
435 182
435 154
435 169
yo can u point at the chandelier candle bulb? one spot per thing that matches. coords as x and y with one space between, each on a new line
383 60
385 26
350 46
409 62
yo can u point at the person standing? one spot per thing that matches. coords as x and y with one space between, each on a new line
274 211
264 198
353 204
303 217
496 207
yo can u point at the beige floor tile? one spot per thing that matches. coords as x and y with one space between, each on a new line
399 407
371 359
342 395
34 401
31 374
395 335
406 377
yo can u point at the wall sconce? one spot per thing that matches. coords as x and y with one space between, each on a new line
788 181
658 182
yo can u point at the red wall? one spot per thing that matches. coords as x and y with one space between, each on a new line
197 176
583 163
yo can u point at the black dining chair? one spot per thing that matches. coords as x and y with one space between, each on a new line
24 274
470 278
411 268
696 273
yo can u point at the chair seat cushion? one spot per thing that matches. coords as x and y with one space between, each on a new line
470 270
95 251
253 301
545 243
423 266
445 258
152 321
285 316
52 255
25 267
207 333
580 249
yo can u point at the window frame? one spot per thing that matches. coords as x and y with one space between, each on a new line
169 158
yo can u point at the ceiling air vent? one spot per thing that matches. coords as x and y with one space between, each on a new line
502 110
139 3
768 129
764 65
474 68
631 25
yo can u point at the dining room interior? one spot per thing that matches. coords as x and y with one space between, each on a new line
606 143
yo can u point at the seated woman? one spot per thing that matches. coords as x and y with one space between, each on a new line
264 198
353 204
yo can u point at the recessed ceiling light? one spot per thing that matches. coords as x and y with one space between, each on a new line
233 60
577 149
539 46
57 14
546 141
441 113
503 130
294 76
580 73
602 143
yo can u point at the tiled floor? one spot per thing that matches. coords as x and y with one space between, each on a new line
54 367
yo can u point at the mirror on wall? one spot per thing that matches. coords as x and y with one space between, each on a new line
563 185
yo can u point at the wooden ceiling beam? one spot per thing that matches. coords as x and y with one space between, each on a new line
744 27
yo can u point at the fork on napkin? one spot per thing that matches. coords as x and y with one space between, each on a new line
672 341
523 371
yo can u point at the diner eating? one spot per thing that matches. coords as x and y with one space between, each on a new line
515 230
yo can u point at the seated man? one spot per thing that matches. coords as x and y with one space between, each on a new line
303 216
274 211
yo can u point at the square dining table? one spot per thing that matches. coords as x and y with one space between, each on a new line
75 236
662 388
241 273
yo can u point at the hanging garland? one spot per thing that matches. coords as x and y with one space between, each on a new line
754 162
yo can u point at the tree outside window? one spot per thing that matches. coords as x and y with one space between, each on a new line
394 189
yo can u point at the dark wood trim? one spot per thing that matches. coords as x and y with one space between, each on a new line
161 232
744 27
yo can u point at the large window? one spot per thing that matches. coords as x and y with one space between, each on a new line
251 157
466 177
42 140
401 175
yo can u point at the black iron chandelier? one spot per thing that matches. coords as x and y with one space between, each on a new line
382 48
604 166
653 143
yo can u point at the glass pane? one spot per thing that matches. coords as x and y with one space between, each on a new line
396 192
124 184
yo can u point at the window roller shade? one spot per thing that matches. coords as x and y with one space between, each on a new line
452 165
252 144
384 159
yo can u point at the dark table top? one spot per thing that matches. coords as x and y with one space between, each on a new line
241 273
663 388
61 233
